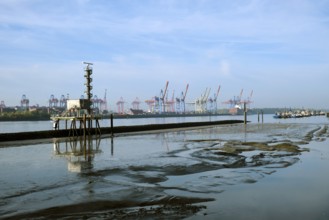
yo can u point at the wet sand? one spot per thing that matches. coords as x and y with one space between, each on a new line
261 170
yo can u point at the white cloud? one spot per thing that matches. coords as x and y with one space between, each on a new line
225 68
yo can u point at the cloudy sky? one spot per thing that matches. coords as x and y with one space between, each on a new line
279 49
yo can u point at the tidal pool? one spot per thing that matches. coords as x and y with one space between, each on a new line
254 171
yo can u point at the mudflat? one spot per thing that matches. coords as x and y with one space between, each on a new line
203 172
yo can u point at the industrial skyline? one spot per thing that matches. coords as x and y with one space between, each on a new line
278 49
208 101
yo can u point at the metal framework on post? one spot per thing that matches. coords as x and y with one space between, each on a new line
80 111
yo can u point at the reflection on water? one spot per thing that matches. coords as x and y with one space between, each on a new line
160 174
79 151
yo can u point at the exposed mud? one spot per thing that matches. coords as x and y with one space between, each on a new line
169 207
171 184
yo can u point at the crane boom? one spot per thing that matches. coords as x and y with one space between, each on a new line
207 96
241 94
217 93
185 92
165 91
203 96
252 92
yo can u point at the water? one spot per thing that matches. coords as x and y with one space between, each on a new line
21 126
74 177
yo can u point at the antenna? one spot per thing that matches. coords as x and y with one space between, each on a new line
87 63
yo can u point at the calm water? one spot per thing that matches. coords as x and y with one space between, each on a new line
21 126
182 164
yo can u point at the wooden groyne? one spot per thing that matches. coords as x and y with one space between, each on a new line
107 130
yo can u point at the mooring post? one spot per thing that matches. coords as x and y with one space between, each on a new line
112 148
262 116
84 125
245 113
112 125
258 116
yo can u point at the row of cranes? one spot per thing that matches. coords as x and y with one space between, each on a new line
54 103
204 104
157 104
163 104
98 104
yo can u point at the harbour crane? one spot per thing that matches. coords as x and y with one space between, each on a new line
183 99
180 101
150 103
120 105
162 106
248 101
235 104
171 103
25 102
104 102
201 103
213 101
53 101
136 103
62 101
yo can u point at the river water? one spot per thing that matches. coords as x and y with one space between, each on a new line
271 170
21 126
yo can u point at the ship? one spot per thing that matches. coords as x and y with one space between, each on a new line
237 105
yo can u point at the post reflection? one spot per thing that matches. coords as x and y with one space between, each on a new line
79 152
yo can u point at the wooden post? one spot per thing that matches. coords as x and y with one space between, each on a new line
112 125
112 147
245 113
262 116
84 125
258 116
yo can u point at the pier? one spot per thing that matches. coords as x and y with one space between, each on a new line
60 133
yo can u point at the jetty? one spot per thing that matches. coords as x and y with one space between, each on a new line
60 133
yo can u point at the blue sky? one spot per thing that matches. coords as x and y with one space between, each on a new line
279 49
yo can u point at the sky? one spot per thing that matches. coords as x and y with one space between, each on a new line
277 49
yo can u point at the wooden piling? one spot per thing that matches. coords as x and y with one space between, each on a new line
112 125
84 125
245 113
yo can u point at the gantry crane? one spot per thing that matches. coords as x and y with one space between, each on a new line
25 102
135 104
180 101
171 103
201 103
213 101
120 105
162 104
248 101
235 103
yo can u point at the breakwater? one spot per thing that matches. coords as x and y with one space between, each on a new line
31 135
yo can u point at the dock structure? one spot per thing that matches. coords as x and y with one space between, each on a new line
79 111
